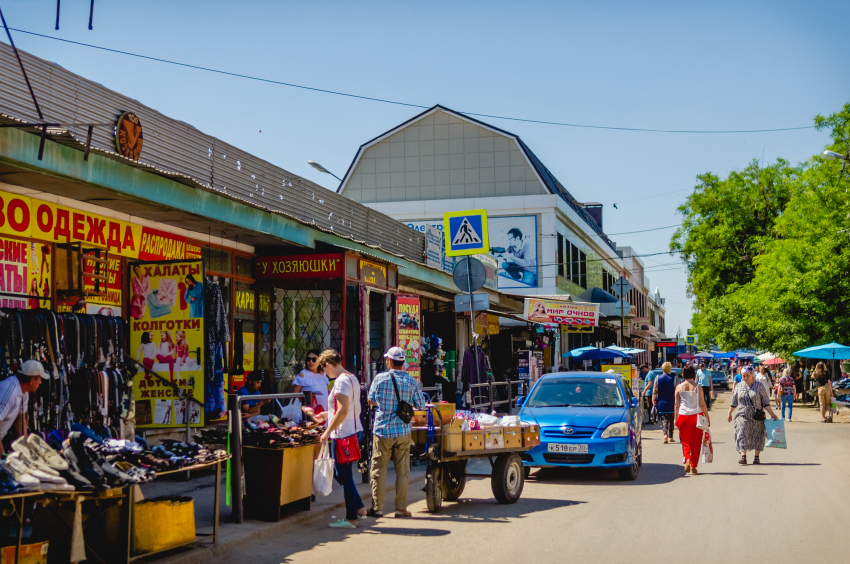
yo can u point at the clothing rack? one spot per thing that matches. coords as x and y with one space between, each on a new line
83 355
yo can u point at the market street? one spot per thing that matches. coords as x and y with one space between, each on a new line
727 513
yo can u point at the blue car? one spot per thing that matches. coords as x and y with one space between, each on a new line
586 419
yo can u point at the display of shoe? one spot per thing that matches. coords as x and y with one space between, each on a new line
33 460
75 453
23 464
52 458
28 483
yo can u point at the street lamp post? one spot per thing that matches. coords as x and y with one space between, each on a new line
320 168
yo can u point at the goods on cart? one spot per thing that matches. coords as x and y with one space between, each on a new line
272 432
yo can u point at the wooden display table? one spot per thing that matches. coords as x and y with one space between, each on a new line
275 478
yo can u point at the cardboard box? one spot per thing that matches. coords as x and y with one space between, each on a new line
493 439
29 554
473 440
530 436
452 436
513 437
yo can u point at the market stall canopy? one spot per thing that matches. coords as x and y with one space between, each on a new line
744 354
704 355
774 360
832 351
686 356
724 355
627 350
596 354
766 356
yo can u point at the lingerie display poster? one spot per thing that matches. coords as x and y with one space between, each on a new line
167 338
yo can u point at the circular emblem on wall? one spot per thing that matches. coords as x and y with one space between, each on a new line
128 136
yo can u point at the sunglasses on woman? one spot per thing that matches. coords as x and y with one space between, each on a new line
312 358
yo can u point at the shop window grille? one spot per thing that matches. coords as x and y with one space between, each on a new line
304 319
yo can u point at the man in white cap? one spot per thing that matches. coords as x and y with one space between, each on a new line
14 399
391 439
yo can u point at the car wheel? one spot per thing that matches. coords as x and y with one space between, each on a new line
629 474
640 454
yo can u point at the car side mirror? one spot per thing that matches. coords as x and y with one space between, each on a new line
634 402
519 401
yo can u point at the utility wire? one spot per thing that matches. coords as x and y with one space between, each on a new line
395 102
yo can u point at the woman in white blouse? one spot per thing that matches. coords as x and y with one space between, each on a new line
312 380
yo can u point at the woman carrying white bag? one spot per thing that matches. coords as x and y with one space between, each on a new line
689 408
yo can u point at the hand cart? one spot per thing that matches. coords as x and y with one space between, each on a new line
445 477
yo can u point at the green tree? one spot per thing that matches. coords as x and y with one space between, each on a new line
779 276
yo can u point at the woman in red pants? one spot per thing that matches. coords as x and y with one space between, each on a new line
689 403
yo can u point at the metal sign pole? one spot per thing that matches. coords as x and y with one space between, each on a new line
472 319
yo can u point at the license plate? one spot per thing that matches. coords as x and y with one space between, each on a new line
578 449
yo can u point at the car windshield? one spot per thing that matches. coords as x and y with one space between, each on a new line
716 374
576 392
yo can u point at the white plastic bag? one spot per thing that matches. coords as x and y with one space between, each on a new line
707 451
323 472
702 422
292 411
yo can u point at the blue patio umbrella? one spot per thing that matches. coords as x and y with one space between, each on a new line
725 355
832 351
575 352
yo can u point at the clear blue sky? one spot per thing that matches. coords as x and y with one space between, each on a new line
663 65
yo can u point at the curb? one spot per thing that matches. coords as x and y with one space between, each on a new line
203 553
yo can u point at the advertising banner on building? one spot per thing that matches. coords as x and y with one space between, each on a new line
434 251
513 243
167 337
408 327
566 313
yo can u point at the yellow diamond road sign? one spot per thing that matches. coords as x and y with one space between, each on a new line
466 232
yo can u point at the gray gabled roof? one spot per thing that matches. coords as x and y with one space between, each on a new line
552 184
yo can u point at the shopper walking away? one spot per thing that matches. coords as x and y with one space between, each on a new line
647 394
391 433
777 393
798 382
663 398
751 399
706 385
762 376
788 390
345 409
825 391
690 402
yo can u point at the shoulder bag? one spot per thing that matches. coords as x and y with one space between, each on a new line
348 449
404 410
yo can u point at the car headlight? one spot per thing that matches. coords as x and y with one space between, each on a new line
616 430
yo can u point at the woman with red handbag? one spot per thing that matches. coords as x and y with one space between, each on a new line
345 430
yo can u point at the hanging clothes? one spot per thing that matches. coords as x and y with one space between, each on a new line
217 334
473 372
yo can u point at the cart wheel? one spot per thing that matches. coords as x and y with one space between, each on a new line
453 480
508 478
433 491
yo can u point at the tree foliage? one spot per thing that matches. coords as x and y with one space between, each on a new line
767 251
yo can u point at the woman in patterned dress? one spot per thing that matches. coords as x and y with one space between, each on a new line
749 396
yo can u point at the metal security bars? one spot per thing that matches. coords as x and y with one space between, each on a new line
305 318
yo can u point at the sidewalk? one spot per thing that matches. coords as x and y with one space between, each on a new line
230 535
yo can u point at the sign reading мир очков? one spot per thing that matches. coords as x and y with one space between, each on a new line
299 266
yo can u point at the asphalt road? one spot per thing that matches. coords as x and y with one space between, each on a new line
791 508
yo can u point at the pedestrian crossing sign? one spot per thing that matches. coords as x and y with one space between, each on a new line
466 232
691 340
